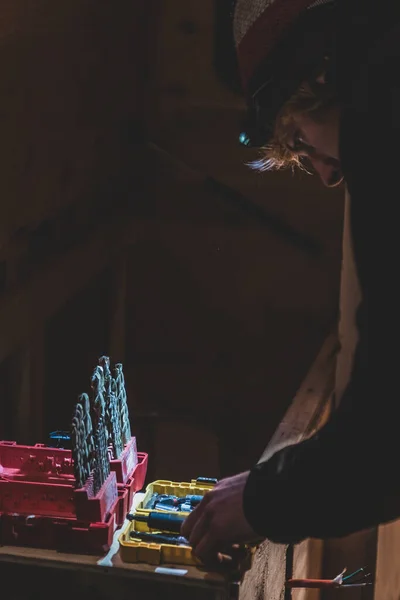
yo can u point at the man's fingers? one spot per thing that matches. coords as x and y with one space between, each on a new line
190 522
199 530
192 518
206 549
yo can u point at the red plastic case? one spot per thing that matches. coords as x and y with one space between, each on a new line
63 535
128 460
38 480
39 505
135 481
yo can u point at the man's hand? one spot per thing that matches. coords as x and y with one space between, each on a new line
219 521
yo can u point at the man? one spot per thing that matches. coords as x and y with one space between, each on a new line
322 81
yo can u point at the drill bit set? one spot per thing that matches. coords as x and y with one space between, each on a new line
152 534
164 528
73 498
102 445
171 503
100 426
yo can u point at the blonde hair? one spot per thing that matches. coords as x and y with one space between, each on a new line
310 98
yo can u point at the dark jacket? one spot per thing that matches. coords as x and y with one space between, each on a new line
347 476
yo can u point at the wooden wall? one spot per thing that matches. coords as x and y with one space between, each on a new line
70 103
132 226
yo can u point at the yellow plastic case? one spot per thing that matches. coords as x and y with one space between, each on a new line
157 554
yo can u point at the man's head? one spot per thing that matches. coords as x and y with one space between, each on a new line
306 134
286 59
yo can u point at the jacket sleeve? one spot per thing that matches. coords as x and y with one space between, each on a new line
321 487
346 477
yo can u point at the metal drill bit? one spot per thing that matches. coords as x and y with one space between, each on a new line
122 403
159 538
111 409
102 468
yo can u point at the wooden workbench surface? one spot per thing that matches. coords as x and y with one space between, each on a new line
39 574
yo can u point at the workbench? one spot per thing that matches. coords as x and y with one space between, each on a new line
38 574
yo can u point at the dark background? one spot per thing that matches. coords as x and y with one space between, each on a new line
131 226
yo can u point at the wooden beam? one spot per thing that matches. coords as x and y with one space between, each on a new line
387 576
22 309
308 412
250 213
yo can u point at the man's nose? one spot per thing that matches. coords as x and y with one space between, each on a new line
329 174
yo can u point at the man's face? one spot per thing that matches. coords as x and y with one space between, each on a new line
316 138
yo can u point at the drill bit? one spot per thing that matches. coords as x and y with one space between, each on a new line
159 538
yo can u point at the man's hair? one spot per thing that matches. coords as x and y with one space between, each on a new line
309 99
